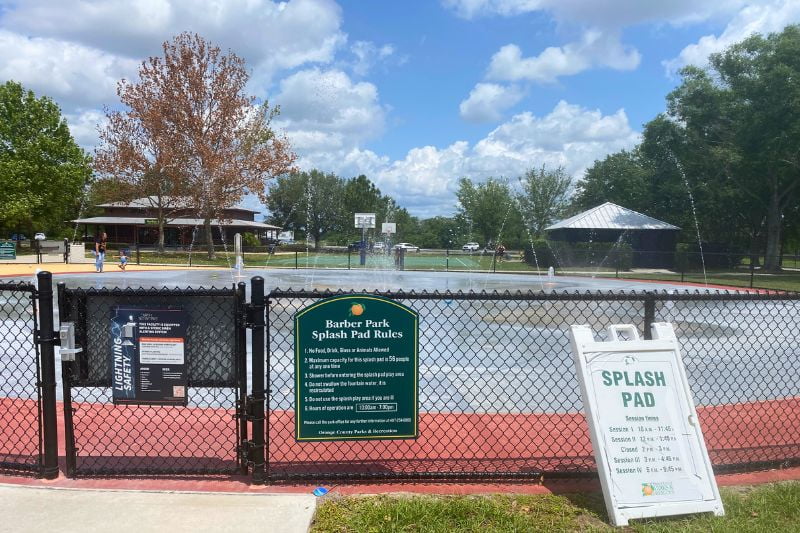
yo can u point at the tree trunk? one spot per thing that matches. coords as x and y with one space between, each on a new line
161 224
209 238
317 240
774 223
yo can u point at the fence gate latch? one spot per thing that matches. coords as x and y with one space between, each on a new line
67 335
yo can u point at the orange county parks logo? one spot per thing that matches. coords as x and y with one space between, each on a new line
662 488
357 309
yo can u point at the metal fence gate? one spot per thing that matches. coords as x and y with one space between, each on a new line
499 398
203 437
20 405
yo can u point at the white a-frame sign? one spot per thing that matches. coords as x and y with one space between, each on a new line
647 441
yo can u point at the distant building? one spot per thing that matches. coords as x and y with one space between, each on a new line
135 223
612 223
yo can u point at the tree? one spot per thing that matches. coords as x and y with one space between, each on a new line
42 169
744 110
543 197
305 201
622 178
190 127
489 210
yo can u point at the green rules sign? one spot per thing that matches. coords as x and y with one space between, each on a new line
356 369
8 250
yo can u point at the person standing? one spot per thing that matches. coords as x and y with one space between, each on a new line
100 250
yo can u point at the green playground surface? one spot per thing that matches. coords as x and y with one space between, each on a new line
413 261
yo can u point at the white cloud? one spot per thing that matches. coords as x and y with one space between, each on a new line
84 125
599 13
77 50
764 19
595 49
70 73
324 111
367 55
426 179
487 101
269 35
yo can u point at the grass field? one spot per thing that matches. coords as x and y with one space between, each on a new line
772 508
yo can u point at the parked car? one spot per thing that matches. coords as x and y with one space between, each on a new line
471 247
407 246
354 246
40 236
18 237
378 247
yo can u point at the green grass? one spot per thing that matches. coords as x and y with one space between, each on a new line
772 508
786 281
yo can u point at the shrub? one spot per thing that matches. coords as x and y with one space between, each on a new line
544 257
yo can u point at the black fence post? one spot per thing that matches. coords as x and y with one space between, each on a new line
64 314
649 314
447 260
494 262
241 361
47 340
295 259
66 250
257 406
752 269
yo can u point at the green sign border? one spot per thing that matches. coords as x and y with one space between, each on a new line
365 296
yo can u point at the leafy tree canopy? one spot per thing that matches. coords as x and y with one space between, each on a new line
42 169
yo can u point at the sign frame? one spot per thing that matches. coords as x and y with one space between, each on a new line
145 360
364 220
624 347
403 404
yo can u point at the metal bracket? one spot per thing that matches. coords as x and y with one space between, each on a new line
251 311
247 448
250 412
67 336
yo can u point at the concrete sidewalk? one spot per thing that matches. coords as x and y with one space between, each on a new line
27 509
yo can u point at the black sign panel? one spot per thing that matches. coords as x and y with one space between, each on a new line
148 359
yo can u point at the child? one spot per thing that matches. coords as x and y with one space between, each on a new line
123 259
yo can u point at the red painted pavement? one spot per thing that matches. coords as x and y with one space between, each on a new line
768 430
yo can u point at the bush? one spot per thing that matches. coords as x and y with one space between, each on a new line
544 257
715 255
561 254
250 239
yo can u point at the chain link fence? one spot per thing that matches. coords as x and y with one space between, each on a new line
20 410
201 438
499 397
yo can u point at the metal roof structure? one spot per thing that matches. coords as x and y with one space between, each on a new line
173 222
612 216
149 202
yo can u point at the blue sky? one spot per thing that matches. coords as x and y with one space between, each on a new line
413 94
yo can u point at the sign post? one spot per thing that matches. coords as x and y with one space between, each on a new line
147 356
364 221
356 370
647 440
